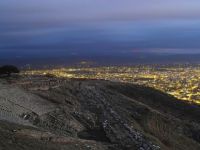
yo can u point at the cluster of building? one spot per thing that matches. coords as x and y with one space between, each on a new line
181 81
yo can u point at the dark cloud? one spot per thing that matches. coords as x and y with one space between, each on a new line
98 26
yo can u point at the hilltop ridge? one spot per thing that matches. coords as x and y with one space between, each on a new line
39 112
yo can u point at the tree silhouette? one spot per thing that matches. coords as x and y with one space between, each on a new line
8 70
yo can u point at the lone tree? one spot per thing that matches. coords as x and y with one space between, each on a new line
8 70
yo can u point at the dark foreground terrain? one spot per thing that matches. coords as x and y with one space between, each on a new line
49 113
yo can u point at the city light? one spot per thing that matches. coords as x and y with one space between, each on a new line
180 81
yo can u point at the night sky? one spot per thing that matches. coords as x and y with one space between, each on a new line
81 29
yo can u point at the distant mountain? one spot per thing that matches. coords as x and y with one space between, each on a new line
49 113
43 59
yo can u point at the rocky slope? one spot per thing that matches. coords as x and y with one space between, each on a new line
48 113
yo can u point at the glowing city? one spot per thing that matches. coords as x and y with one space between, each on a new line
181 81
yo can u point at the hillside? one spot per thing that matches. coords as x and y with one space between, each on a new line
39 112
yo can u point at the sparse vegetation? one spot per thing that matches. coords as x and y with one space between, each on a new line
8 70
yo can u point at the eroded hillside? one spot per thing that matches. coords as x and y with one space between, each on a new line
50 113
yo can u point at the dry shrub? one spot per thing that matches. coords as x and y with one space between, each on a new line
160 128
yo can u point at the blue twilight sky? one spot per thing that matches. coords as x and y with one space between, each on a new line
96 27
